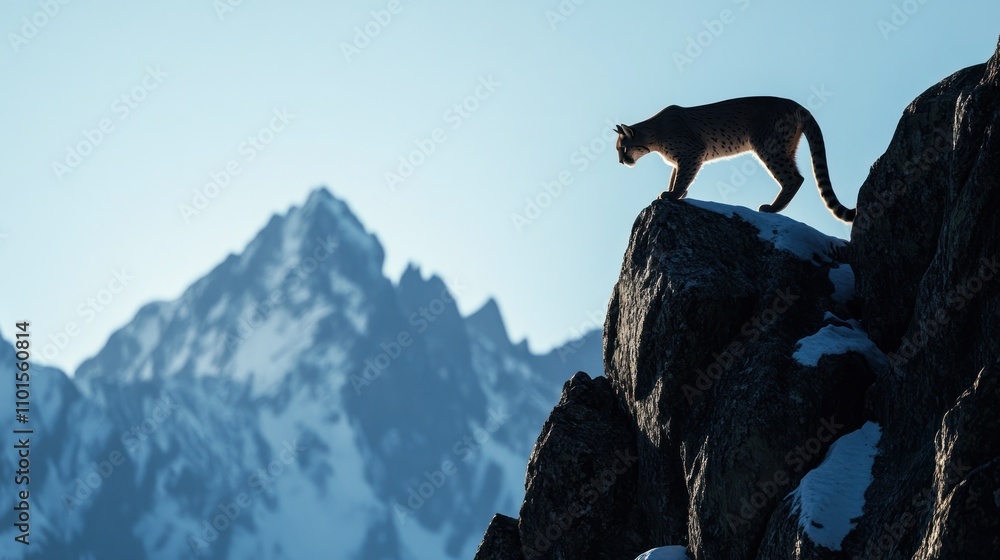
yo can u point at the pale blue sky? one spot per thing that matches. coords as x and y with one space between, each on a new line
555 87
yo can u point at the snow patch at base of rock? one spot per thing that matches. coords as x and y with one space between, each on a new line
831 497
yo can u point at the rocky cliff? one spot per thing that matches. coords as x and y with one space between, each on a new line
773 393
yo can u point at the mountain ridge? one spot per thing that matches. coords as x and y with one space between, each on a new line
298 385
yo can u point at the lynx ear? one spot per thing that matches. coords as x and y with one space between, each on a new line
618 129
629 133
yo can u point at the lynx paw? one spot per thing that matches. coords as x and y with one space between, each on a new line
668 195
766 208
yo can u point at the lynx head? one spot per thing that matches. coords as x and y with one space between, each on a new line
629 147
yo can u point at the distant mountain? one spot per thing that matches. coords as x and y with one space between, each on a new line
293 403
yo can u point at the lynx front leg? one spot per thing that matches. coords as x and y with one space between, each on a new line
680 180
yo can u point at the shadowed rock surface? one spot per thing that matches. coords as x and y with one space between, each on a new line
778 413
502 541
940 317
586 446
699 345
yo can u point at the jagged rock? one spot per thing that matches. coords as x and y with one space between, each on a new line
901 207
581 481
723 325
927 268
501 541
964 521
700 345
730 371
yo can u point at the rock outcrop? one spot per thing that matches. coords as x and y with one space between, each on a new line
787 395
926 249
702 345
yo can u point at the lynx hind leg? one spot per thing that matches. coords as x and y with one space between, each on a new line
785 171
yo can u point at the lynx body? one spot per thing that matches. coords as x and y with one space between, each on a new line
770 127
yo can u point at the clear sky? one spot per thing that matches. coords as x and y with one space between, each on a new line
505 97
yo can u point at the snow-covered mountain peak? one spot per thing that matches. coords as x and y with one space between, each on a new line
309 235
308 272
297 356
330 216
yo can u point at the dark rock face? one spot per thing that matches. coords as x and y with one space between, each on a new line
935 302
587 447
964 521
699 344
902 205
745 373
699 340
501 541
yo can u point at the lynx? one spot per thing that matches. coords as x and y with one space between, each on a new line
688 137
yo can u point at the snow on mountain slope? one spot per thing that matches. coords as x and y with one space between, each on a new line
72 450
295 403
